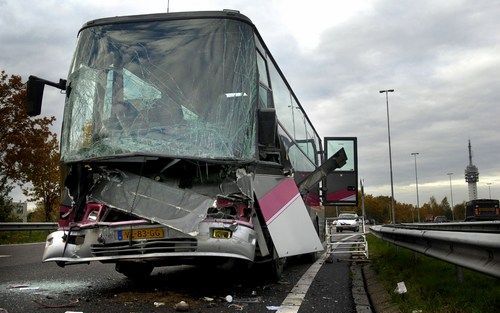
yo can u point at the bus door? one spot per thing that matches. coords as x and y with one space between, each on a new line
340 187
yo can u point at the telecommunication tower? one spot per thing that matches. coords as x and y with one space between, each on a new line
471 176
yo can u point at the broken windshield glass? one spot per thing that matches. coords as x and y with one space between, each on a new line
183 88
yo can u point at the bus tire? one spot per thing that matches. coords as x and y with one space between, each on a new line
134 270
311 257
276 267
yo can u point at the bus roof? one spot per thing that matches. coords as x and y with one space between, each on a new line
225 14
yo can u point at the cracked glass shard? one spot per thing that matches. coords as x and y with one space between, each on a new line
184 88
244 181
177 208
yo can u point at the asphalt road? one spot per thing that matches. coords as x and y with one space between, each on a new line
28 285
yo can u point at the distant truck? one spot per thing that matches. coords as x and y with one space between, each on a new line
482 210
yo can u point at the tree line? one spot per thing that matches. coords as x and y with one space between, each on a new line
379 209
29 154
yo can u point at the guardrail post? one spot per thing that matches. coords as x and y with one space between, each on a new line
460 273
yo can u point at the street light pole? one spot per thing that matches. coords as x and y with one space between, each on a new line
451 193
390 151
416 184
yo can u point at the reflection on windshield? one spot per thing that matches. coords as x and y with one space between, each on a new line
175 88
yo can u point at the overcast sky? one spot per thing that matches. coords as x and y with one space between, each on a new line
441 57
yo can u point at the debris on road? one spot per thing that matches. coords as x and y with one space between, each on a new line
236 306
229 298
158 304
248 300
70 304
3 311
273 307
400 288
208 299
28 288
18 286
181 306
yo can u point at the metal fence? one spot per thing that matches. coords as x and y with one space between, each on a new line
27 226
355 245
476 227
469 245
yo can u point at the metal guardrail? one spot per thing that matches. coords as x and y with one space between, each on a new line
479 251
476 227
27 226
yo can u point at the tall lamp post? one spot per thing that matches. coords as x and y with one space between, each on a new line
451 193
489 189
416 184
390 152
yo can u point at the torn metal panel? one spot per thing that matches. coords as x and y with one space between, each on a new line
177 208
244 181
285 214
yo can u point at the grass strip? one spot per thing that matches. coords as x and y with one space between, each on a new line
432 284
24 236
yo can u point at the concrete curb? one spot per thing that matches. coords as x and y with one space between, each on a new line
379 298
361 300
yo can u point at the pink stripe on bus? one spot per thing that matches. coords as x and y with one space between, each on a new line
340 195
276 199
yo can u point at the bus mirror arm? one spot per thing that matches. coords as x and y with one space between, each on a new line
335 161
34 93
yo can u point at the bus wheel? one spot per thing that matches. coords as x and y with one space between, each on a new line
311 257
134 270
275 269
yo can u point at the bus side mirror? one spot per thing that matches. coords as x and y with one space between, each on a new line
34 95
268 127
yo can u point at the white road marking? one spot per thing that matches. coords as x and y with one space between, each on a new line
294 299
5 256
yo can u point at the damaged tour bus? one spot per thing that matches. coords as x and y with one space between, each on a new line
182 143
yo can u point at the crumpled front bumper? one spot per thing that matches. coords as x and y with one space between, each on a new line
103 244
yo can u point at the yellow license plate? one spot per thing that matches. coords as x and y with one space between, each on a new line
141 233
221 233
487 209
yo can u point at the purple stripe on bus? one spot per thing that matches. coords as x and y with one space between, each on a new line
273 201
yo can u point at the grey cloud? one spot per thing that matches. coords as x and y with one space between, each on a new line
406 46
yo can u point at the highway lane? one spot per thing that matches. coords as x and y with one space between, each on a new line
27 285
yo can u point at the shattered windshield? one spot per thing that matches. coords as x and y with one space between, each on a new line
181 88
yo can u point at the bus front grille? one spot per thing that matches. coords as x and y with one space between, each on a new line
144 247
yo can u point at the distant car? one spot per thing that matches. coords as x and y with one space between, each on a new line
440 219
347 221
370 221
